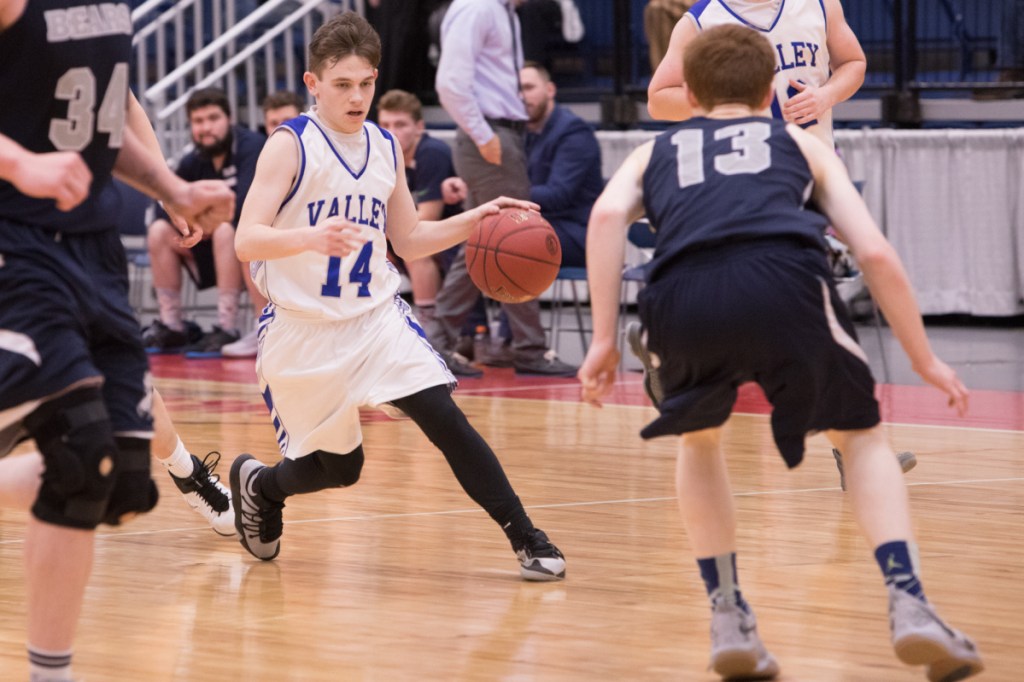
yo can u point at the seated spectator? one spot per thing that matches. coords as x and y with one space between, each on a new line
223 152
428 162
563 160
278 107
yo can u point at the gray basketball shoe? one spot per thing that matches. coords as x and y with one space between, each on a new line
638 344
920 637
257 520
737 652
907 460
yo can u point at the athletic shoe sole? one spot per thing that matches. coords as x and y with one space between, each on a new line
943 666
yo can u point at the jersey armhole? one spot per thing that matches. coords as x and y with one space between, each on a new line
302 161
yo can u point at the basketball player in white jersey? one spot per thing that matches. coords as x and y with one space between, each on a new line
818 59
335 335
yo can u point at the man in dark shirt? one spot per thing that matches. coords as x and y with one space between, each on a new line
224 152
563 160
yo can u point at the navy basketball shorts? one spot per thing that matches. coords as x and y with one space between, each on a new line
761 311
65 320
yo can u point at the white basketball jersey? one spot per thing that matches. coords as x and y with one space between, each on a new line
796 29
327 186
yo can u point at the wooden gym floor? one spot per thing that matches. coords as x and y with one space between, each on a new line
402 578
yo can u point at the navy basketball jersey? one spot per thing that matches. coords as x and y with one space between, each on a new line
712 182
64 83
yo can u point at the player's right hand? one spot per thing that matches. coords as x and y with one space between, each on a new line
941 376
336 237
206 203
495 205
61 176
189 235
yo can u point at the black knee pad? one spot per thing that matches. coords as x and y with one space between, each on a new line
340 470
134 491
74 435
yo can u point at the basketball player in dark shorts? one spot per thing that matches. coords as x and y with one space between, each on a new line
740 290
71 374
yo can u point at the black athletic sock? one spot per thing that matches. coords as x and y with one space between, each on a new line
309 474
470 457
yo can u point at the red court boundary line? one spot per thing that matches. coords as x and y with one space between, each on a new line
920 405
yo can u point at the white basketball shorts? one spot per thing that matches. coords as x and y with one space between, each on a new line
315 374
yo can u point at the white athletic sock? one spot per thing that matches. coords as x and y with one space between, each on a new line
179 463
227 309
49 666
169 301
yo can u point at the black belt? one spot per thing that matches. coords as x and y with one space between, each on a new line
518 126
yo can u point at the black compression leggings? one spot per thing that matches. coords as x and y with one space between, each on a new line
470 457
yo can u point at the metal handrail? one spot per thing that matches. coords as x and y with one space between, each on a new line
244 54
188 66
145 8
176 10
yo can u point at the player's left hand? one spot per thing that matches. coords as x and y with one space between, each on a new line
492 207
807 106
943 377
597 373
206 203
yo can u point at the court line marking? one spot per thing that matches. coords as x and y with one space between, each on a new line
557 505
485 391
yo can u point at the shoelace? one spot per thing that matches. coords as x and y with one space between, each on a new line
205 480
265 522
538 545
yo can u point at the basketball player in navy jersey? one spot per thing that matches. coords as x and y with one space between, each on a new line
73 374
336 336
740 290
818 63
195 479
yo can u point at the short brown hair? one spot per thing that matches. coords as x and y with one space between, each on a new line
282 98
400 100
206 97
545 75
729 64
344 35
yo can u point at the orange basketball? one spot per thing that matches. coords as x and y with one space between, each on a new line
514 255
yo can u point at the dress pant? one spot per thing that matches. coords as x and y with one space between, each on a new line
458 294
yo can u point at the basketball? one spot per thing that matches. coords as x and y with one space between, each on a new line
514 255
